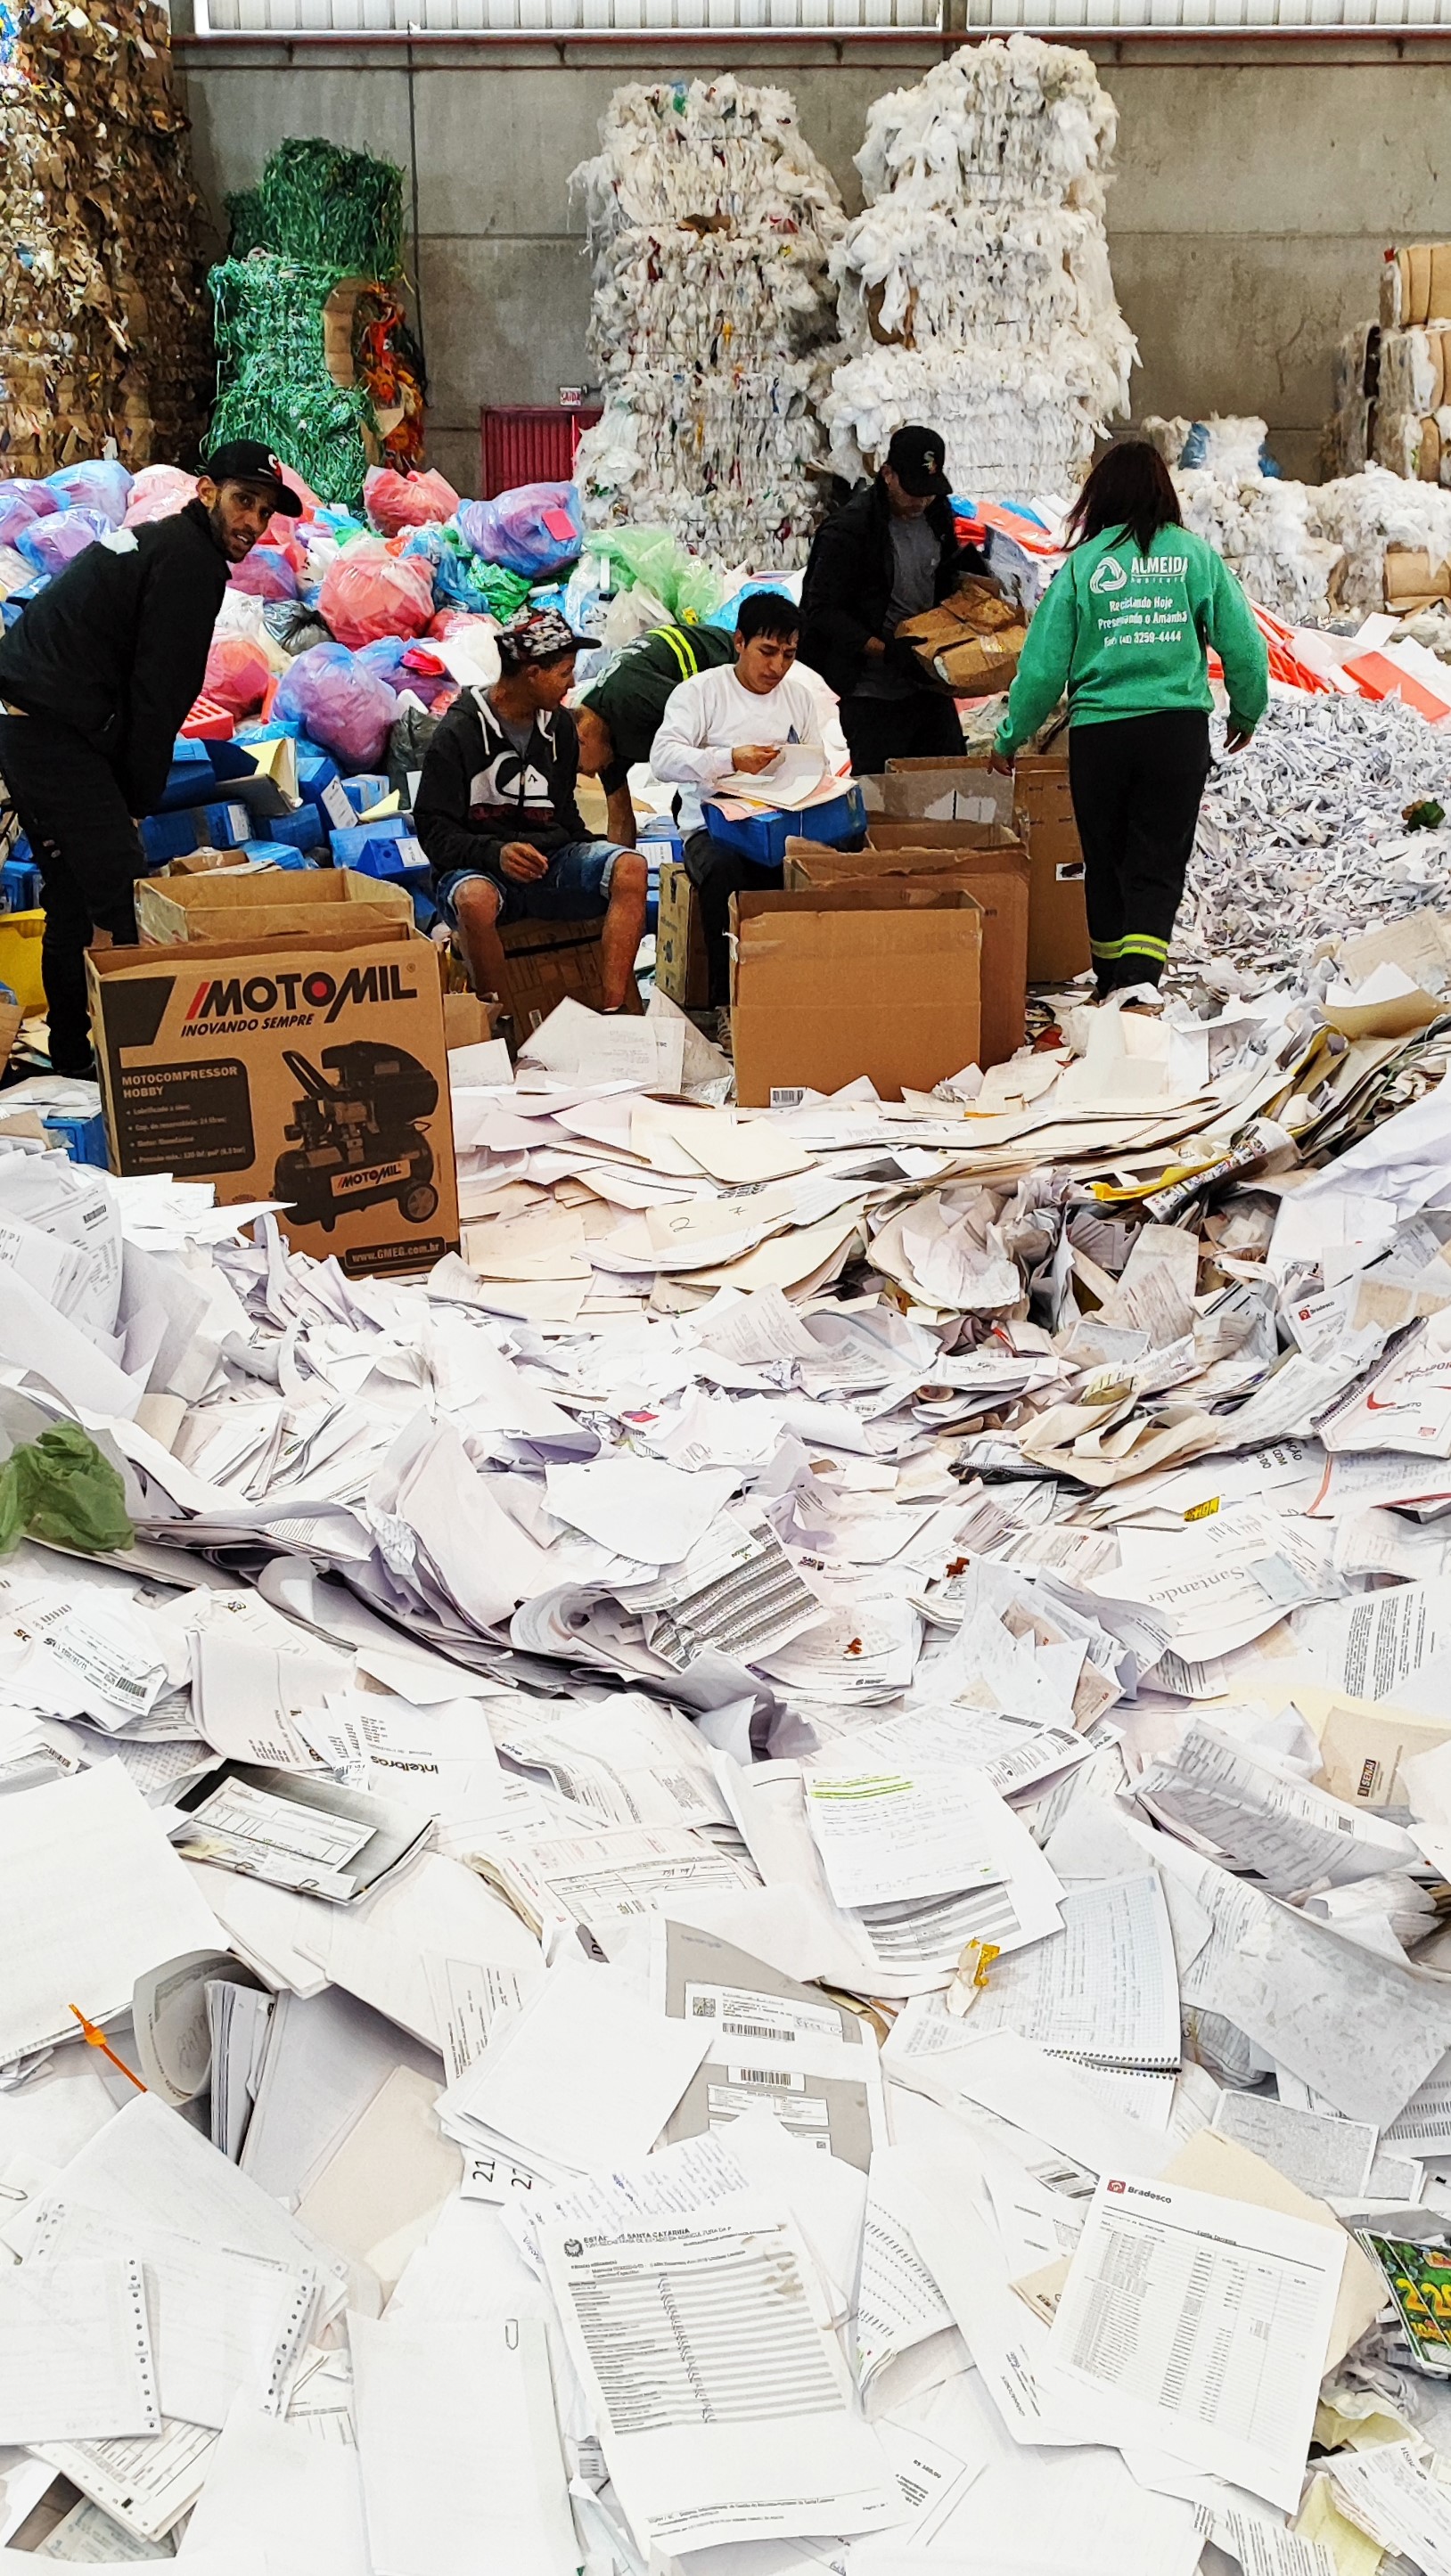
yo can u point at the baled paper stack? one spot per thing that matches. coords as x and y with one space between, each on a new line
709 222
975 287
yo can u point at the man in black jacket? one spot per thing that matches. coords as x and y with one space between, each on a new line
497 816
890 552
95 680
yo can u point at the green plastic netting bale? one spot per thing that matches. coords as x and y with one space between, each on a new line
340 211
273 380
244 215
60 1488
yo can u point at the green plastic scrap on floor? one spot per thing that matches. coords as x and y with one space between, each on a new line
60 1488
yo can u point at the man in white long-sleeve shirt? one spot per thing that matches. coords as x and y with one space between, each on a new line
734 722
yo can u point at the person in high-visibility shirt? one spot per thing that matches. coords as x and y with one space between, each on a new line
1124 631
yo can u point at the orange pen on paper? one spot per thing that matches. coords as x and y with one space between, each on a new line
95 2038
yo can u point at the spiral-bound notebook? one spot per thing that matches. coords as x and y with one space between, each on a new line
1105 1996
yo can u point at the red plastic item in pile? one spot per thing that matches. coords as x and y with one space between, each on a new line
208 722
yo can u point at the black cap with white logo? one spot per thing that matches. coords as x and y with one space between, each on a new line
245 460
917 457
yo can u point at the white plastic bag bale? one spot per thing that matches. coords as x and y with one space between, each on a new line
975 291
709 223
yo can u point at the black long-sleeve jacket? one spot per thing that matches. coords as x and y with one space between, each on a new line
117 646
849 574
478 792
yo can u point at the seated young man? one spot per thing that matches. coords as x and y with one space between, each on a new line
735 723
497 817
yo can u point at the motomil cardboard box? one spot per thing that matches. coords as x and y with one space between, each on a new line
837 981
1057 918
311 1071
993 867
265 903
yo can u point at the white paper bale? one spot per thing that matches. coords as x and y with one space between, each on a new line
710 222
975 290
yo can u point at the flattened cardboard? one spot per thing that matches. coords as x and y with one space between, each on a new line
971 642
264 903
984 858
833 982
312 1071
682 973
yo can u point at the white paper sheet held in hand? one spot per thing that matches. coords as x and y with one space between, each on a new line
725 2408
1198 2327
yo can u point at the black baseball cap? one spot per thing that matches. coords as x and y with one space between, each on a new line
245 460
918 458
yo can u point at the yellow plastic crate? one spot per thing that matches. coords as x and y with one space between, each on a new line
20 957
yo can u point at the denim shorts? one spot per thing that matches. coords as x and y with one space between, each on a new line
577 887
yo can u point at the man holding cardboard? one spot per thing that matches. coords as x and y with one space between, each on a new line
95 681
497 816
890 553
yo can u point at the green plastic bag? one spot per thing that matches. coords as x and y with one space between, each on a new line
59 1487
686 587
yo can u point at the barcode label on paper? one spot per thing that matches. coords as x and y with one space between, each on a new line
783 1097
764 2075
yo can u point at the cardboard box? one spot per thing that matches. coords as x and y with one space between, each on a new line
1058 946
311 1070
970 642
265 903
946 791
837 981
467 1021
550 961
993 867
681 971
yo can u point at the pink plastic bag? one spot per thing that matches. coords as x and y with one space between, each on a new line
237 674
158 492
265 573
368 593
339 703
397 501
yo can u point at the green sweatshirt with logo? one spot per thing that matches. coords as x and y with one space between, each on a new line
1125 634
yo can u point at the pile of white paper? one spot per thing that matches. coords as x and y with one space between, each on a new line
764 1867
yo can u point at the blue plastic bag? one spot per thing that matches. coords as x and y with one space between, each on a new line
51 544
101 484
338 702
535 531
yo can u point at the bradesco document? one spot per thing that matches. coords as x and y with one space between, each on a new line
1197 2326
707 2359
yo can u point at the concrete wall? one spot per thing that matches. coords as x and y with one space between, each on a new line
1256 188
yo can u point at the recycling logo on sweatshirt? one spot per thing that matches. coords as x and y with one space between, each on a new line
1107 576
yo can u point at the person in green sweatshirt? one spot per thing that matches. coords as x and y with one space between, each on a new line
1124 630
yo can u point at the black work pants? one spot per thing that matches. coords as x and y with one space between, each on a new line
716 871
1137 783
89 855
915 728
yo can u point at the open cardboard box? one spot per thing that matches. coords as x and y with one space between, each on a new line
837 981
971 641
265 903
309 1070
983 858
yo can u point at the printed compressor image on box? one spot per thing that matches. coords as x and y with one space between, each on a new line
313 1072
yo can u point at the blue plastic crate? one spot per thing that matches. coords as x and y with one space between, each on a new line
223 826
19 886
168 836
763 837
84 1139
305 830
366 790
346 846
